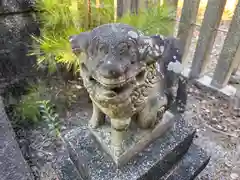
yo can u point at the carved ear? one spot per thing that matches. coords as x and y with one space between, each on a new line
80 42
151 48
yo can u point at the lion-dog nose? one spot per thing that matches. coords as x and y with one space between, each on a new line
112 69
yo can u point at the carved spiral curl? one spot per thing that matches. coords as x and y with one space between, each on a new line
140 93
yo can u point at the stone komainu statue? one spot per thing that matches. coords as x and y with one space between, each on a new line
129 76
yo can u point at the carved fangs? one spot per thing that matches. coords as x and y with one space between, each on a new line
120 82
112 90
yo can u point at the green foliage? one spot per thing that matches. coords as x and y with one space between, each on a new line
61 18
103 14
35 110
51 118
156 19
52 47
28 107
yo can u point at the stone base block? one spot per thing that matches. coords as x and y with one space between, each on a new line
163 158
135 140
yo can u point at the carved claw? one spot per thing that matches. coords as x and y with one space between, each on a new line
117 138
93 123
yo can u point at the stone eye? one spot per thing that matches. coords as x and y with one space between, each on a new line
103 48
133 52
122 51
123 48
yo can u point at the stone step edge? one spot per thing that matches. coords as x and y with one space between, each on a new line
170 159
65 168
190 165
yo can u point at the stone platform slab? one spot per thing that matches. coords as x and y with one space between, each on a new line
157 160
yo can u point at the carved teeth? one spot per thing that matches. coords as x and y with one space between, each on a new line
110 94
121 85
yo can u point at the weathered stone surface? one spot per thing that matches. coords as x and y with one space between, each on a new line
152 163
13 6
12 163
135 141
192 163
15 42
66 169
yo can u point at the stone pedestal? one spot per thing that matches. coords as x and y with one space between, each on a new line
135 140
170 156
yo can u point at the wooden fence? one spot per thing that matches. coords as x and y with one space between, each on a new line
229 58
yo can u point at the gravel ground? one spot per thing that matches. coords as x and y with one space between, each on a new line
218 131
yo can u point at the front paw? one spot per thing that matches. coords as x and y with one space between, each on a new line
93 123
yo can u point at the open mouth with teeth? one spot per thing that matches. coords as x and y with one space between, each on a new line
115 87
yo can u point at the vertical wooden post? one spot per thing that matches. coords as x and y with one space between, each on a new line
237 60
146 3
228 60
98 9
126 6
89 13
86 22
237 66
118 4
208 32
142 4
188 17
134 6
235 69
